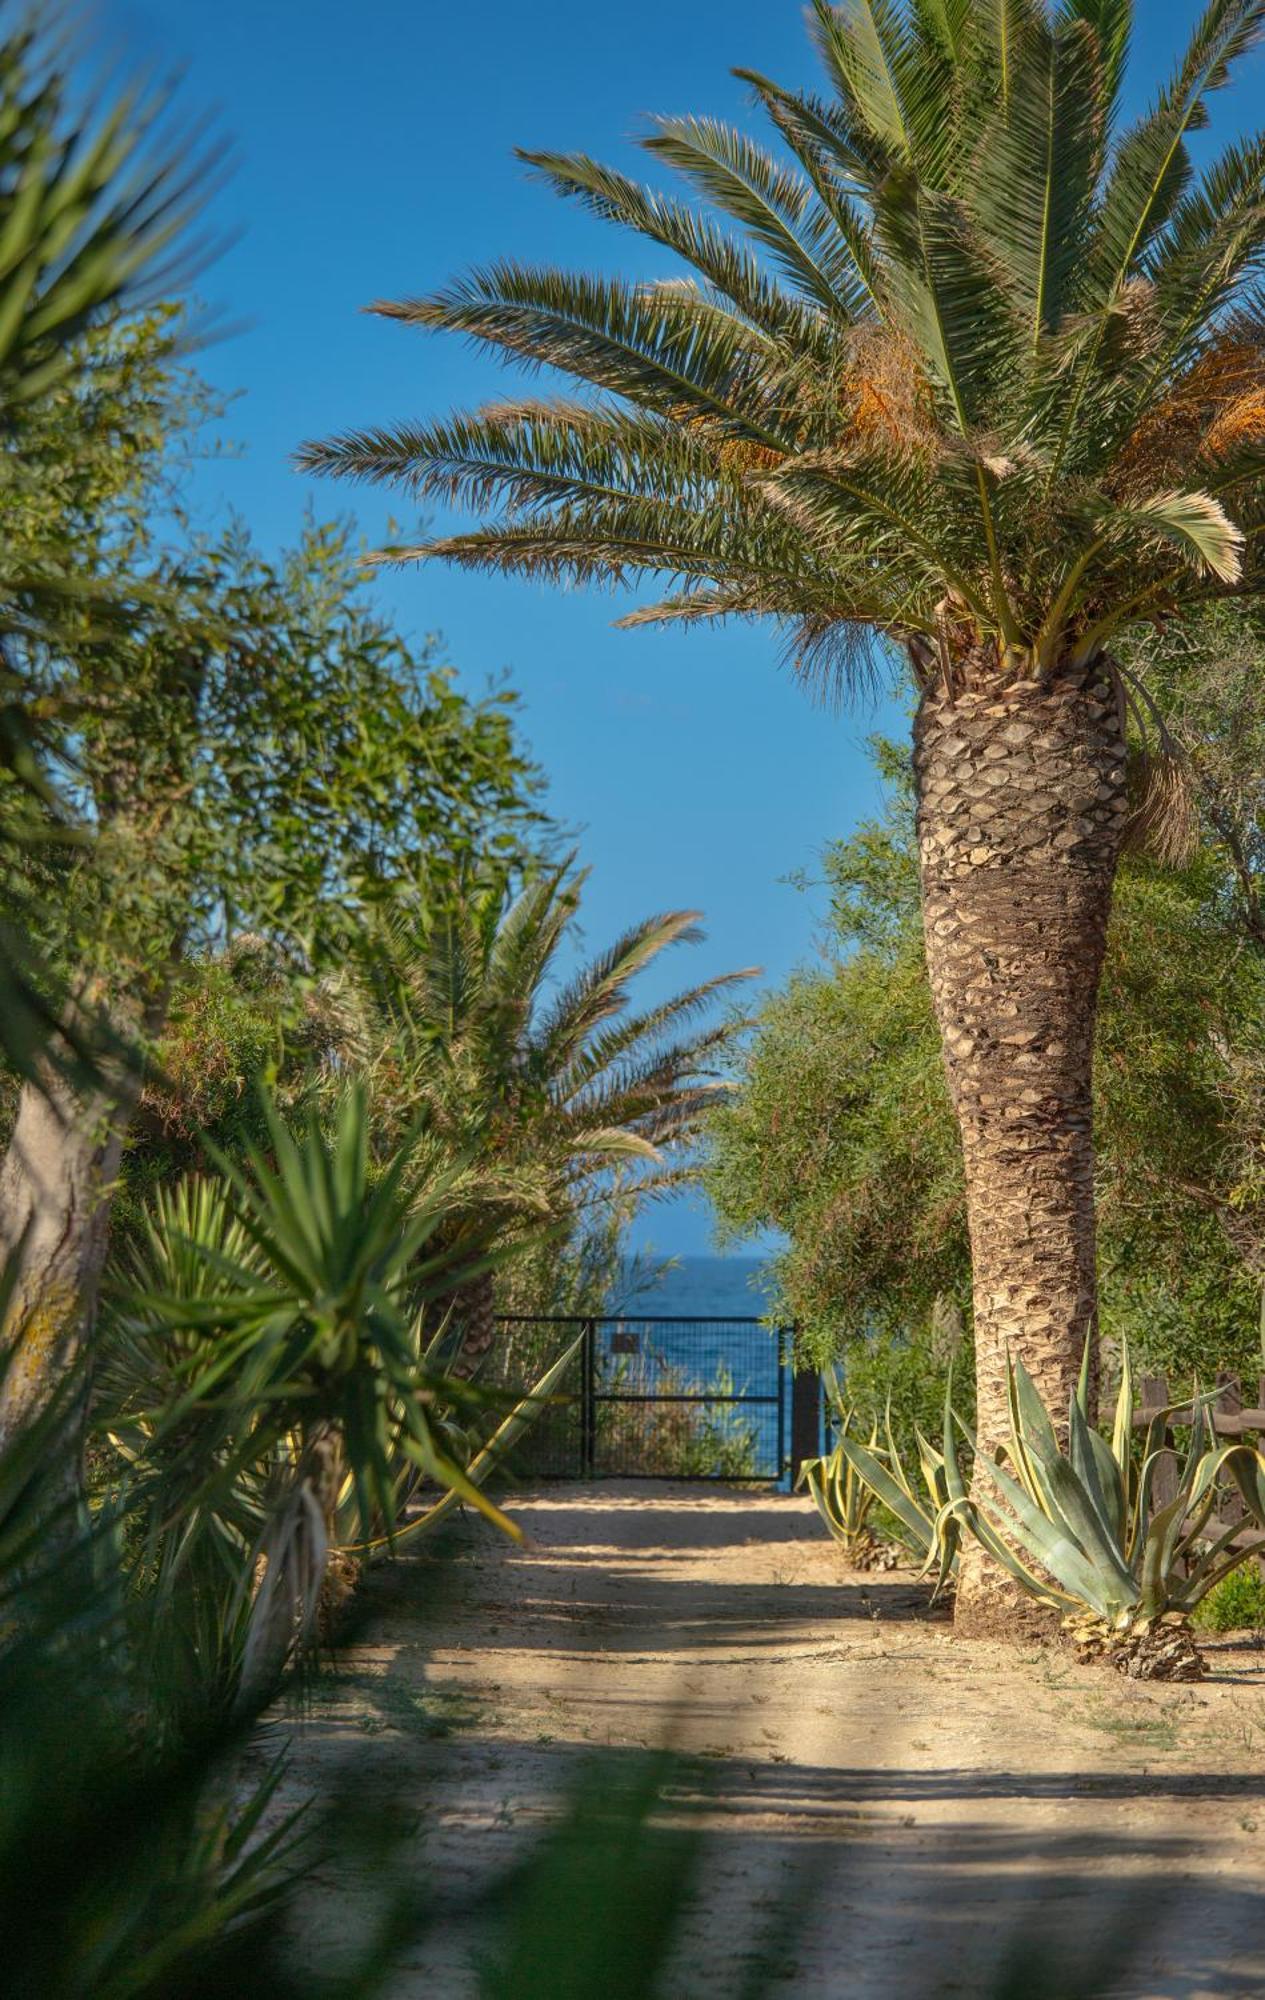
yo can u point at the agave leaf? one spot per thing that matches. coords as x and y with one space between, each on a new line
1164 1531
1158 1546
1185 1599
1197 1585
893 1495
1082 1380
825 1487
948 1522
1247 1469
1020 1452
960 1509
1062 1496
1122 1428
1051 1544
1095 1468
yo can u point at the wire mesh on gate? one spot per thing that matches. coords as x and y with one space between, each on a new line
654 1398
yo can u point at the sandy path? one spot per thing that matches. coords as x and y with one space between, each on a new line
941 1799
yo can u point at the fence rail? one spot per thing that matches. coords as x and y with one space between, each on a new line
1227 1417
663 1396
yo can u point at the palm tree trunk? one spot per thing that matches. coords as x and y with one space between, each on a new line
56 1183
1021 808
474 1312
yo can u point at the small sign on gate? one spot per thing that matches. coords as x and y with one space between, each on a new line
625 1343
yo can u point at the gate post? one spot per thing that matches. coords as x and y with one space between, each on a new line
805 1418
588 1400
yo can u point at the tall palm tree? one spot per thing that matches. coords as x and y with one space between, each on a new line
556 1089
980 371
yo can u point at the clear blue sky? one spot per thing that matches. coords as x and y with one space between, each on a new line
374 159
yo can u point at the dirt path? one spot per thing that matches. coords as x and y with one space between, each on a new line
939 1799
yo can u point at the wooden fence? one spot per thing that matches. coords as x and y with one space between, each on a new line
1228 1416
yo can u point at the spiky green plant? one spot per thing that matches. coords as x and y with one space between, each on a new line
1077 1528
842 1498
967 362
265 1373
847 1485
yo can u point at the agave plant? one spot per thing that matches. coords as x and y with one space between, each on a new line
1078 1532
846 1485
842 1498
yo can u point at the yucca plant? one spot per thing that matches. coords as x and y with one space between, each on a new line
264 1373
1077 1530
965 362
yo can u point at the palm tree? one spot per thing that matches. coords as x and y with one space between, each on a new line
979 372
557 1091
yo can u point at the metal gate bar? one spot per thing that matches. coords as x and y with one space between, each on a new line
638 1404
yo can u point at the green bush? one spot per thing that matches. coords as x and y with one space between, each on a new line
1237 1604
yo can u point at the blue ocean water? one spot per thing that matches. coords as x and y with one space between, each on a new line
656 1343
706 1287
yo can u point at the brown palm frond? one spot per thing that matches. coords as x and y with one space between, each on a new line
1217 404
1164 821
887 395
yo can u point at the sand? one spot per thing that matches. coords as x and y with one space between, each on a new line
888 1811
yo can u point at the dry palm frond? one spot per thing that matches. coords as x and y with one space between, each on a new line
740 455
1241 421
886 395
1206 412
288 1573
1164 820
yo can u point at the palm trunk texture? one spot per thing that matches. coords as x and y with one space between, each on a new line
474 1310
1022 803
54 1198
56 1184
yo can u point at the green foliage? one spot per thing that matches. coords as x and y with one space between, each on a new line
96 199
900 1378
841 1133
268 1353
1236 1604
682 1440
915 1510
339 764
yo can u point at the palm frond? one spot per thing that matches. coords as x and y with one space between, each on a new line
621 338
778 208
794 324
954 357
1038 169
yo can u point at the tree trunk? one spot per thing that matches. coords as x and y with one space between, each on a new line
55 1185
1021 808
474 1320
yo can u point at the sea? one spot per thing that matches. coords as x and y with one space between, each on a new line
694 1334
704 1288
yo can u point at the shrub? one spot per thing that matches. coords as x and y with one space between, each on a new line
1236 1604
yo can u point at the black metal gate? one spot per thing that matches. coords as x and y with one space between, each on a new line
657 1398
